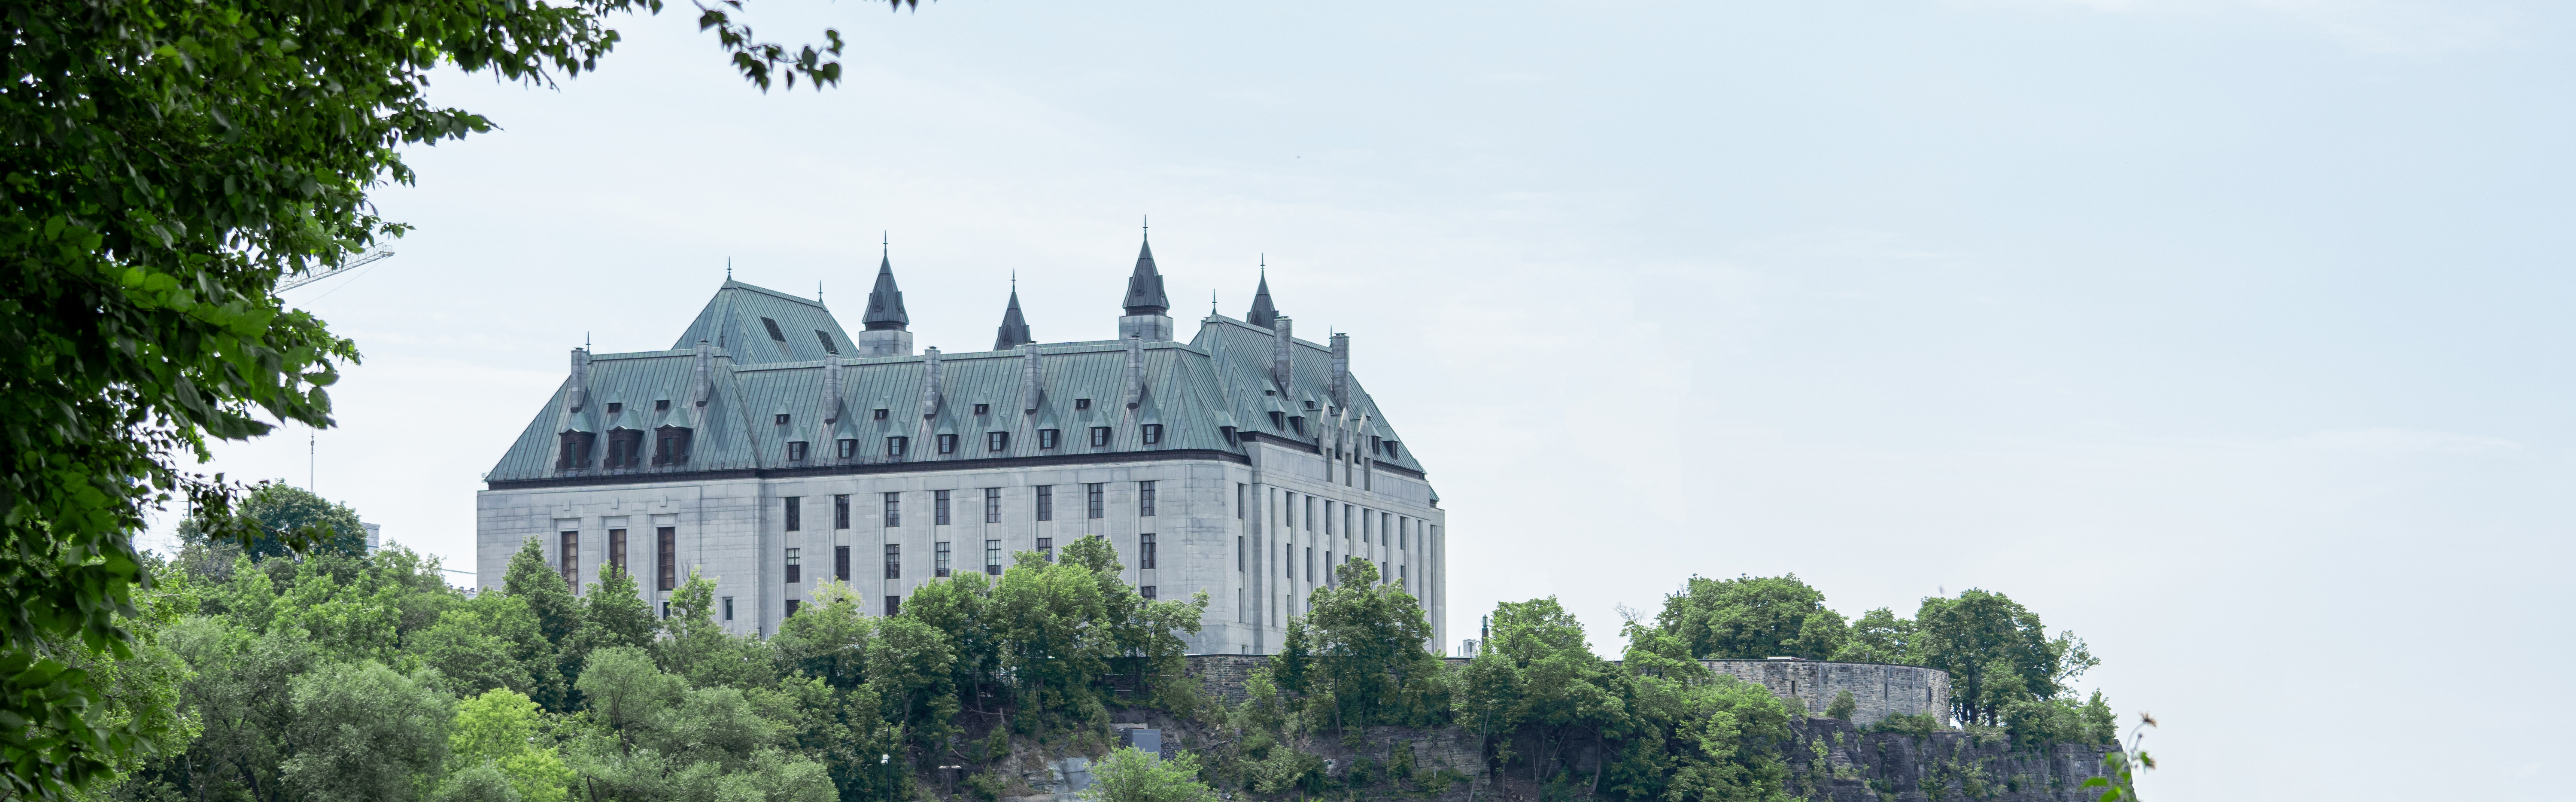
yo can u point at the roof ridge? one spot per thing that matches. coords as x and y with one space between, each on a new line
732 284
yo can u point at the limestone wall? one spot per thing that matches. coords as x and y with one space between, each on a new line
1880 690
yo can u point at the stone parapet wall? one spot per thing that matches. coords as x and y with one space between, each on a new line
1878 689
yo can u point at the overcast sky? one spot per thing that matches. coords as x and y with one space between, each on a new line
2229 334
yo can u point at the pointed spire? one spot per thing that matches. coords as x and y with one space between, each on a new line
885 303
1145 286
1262 312
1015 329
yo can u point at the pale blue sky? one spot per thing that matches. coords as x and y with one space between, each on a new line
2227 333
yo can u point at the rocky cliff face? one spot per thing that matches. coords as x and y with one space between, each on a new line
1836 762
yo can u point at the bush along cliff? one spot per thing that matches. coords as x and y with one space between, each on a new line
344 674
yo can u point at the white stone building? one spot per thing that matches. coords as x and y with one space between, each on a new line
769 451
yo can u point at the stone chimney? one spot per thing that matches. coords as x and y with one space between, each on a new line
1341 386
579 395
1135 372
1283 335
831 393
1032 385
929 383
702 385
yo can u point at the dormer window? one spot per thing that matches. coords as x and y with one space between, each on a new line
1391 451
948 444
615 407
849 448
1047 438
1099 436
774 333
663 405
625 448
896 445
782 419
796 451
881 415
1298 423
826 337
997 441
671 446
575 454
1227 432
1374 445
983 409
1082 403
1153 433
1278 420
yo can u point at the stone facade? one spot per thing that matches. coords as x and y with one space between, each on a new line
1880 690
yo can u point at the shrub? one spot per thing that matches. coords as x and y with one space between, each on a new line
1843 706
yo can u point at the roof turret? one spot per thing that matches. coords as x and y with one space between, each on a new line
1015 330
1262 312
1145 286
885 303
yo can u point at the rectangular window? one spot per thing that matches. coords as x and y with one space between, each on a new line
795 569
1096 505
666 556
829 347
1046 546
1328 566
774 333
1346 522
983 409
617 550
1288 567
1238 553
849 448
728 608
841 511
1310 513
879 415
896 445
992 505
1153 433
779 419
939 509
993 557
939 557
1289 510
570 560
841 564
1081 403
795 513
894 561
1366 530
948 444
1239 489
997 441
1047 438
1145 499
791 608
1310 563
1145 551
796 451
1328 519
1099 436
894 509
1046 502
1399 576
894 606
1146 593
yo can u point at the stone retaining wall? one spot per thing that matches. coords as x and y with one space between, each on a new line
1879 690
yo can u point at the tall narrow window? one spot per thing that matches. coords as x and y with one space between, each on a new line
939 557
1328 519
841 511
948 444
829 347
993 557
1346 522
1310 563
1366 530
1046 546
1046 502
1145 550
992 505
1145 499
939 509
795 570
1289 510
1099 436
894 606
791 608
894 509
795 513
1047 437
997 441
570 561
849 448
1310 513
617 550
896 445
1095 504
841 564
625 448
1153 433
894 561
1238 553
796 451
666 557
728 608
1239 488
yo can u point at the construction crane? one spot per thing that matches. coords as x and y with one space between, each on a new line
344 267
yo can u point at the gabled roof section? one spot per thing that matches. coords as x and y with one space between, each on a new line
757 324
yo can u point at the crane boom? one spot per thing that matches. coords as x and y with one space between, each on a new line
344 267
